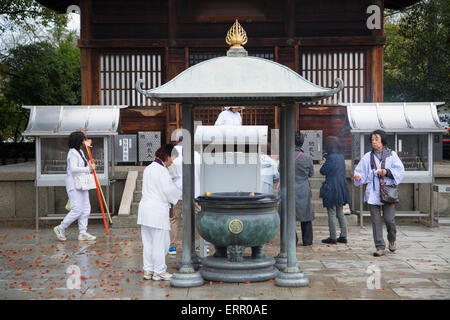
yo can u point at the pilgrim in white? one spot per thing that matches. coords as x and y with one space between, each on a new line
79 199
229 117
158 193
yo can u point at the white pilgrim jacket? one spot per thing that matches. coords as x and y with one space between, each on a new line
75 167
372 194
228 118
178 172
158 192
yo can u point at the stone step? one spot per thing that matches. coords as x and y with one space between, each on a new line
315 194
137 196
316 183
122 221
138 184
322 220
444 221
134 207
318 206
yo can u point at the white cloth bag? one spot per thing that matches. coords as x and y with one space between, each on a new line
85 182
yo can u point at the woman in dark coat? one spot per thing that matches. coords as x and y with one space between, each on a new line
334 190
304 169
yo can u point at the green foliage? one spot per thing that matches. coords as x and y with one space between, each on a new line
416 56
27 15
41 73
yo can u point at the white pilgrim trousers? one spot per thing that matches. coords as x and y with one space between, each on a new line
155 244
80 209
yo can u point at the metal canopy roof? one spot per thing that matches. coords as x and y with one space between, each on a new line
232 80
394 117
62 120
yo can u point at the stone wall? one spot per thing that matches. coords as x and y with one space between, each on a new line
18 193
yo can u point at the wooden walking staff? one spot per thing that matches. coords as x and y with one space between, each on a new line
97 185
100 187
101 190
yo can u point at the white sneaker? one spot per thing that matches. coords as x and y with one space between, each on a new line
59 233
148 275
86 237
165 276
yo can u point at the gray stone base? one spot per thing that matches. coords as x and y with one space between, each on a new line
253 270
196 262
291 279
124 221
186 280
281 263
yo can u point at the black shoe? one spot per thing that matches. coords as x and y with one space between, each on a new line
329 240
378 253
342 240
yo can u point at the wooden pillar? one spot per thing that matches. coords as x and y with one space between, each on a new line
276 109
375 59
377 74
87 95
373 79
172 19
289 18
175 63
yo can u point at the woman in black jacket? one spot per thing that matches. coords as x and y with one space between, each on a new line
334 191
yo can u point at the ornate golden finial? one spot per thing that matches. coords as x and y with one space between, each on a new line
236 36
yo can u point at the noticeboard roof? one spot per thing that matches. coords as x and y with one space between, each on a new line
394 117
62 120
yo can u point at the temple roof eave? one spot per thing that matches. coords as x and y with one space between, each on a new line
245 99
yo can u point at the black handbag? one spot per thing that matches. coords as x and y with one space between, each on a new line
388 193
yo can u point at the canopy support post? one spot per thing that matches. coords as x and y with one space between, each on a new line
187 277
291 276
281 258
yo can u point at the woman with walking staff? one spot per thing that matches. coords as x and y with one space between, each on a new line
334 191
158 193
382 171
80 207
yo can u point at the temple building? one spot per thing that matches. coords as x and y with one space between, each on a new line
124 41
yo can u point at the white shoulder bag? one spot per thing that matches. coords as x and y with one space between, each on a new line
85 182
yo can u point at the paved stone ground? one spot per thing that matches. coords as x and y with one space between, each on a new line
33 266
